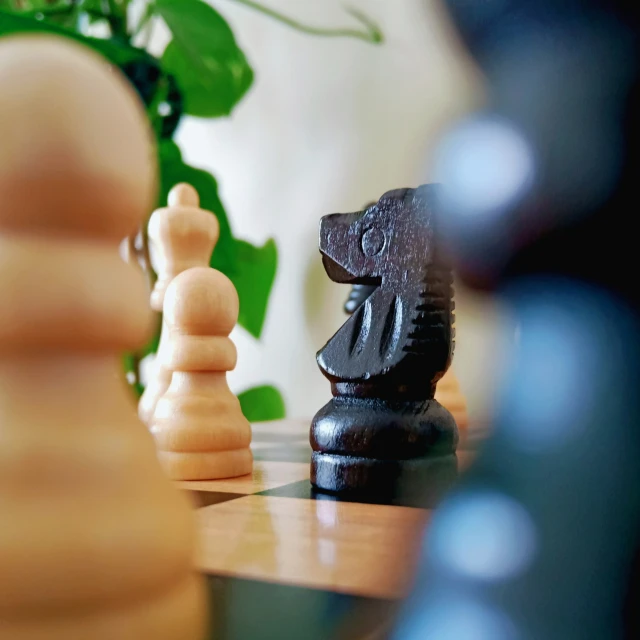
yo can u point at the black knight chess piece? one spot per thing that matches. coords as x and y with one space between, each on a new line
383 427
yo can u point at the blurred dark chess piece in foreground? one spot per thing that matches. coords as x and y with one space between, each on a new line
541 539
383 423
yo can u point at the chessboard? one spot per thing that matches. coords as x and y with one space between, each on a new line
286 562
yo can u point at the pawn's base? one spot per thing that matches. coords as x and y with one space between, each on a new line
210 465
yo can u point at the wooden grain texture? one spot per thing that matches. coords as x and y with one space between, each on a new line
345 547
271 526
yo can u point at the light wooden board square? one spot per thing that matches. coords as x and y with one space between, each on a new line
266 475
354 548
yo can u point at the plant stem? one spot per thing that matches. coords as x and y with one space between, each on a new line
372 33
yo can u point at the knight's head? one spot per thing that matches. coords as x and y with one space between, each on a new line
386 241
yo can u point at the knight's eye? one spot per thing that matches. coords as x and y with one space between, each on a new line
372 241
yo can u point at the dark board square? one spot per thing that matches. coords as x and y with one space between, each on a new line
207 498
425 498
256 610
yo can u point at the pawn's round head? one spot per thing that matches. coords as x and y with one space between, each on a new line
201 302
76 155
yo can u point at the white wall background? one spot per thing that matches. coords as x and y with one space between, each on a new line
329 125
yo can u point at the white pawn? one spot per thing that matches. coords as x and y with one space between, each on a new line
198 424
95 543
181 236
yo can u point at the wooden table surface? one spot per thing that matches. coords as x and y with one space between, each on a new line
271 535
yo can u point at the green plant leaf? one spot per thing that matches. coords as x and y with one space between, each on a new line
262 403
253 278
154 341
115 52
211 70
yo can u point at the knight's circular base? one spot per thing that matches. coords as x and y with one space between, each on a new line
418 478
384 430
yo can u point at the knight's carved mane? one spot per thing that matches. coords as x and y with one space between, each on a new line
433 311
